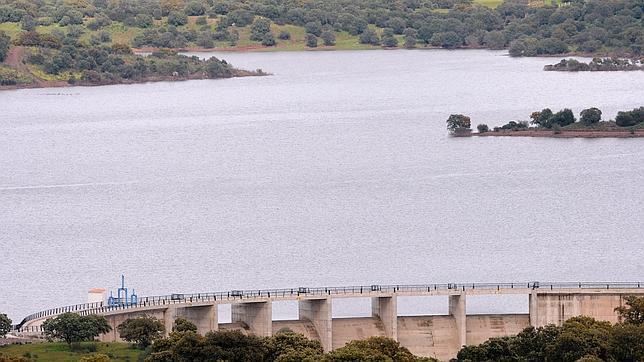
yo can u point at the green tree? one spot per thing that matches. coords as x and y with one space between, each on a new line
289 346
633 311
482 128
388 38
28 23
313 27
194 8
630 118
590 116
328 38
284 35
373 349
260 28
74 328
458 121
563 118
541 118
142 331
177 19
311 41
369 36
411 38
183 325
268 40
5 43
627 342
579 337
5 325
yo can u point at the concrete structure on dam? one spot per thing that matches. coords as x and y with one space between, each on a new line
439 336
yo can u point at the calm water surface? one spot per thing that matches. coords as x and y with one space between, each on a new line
336 170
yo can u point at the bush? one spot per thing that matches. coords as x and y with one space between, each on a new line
369 36
177 19
328 38
458 121
311 41
268 40
590 116
482 128
5 43
630 118
313 27
74 328
142 330
259 29
284 35
388 38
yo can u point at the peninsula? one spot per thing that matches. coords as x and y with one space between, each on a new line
562 124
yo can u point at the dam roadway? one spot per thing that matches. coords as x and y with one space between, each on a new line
439 336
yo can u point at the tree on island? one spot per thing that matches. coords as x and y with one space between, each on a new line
74 328
5 325
630 118
590 116
458 123
142 331
482 128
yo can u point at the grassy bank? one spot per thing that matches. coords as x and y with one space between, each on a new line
60 352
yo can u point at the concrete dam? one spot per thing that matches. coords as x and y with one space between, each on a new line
439 336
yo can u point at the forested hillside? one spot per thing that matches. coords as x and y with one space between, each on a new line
80 36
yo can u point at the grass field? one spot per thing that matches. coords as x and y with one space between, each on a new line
489 3
59 352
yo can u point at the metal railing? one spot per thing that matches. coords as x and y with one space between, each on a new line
161 300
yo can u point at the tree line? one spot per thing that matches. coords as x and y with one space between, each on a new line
590 118
577 339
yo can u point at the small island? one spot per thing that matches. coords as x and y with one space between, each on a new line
561 124
596 65
41 60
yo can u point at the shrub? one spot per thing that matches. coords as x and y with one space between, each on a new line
328 38
369 36
311 41
177 19
590 116
268 40
142 330
630 118
482 128
284 35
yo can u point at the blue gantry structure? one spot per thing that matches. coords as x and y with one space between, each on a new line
122 298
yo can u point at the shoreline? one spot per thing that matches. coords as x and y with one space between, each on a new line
261 49
564 134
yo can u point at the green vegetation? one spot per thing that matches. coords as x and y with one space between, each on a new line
74 328
564 120
459 124
596 65
5 325
528 28
283 346
61 352
143 330
579 338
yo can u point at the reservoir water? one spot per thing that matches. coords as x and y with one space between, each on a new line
335 170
